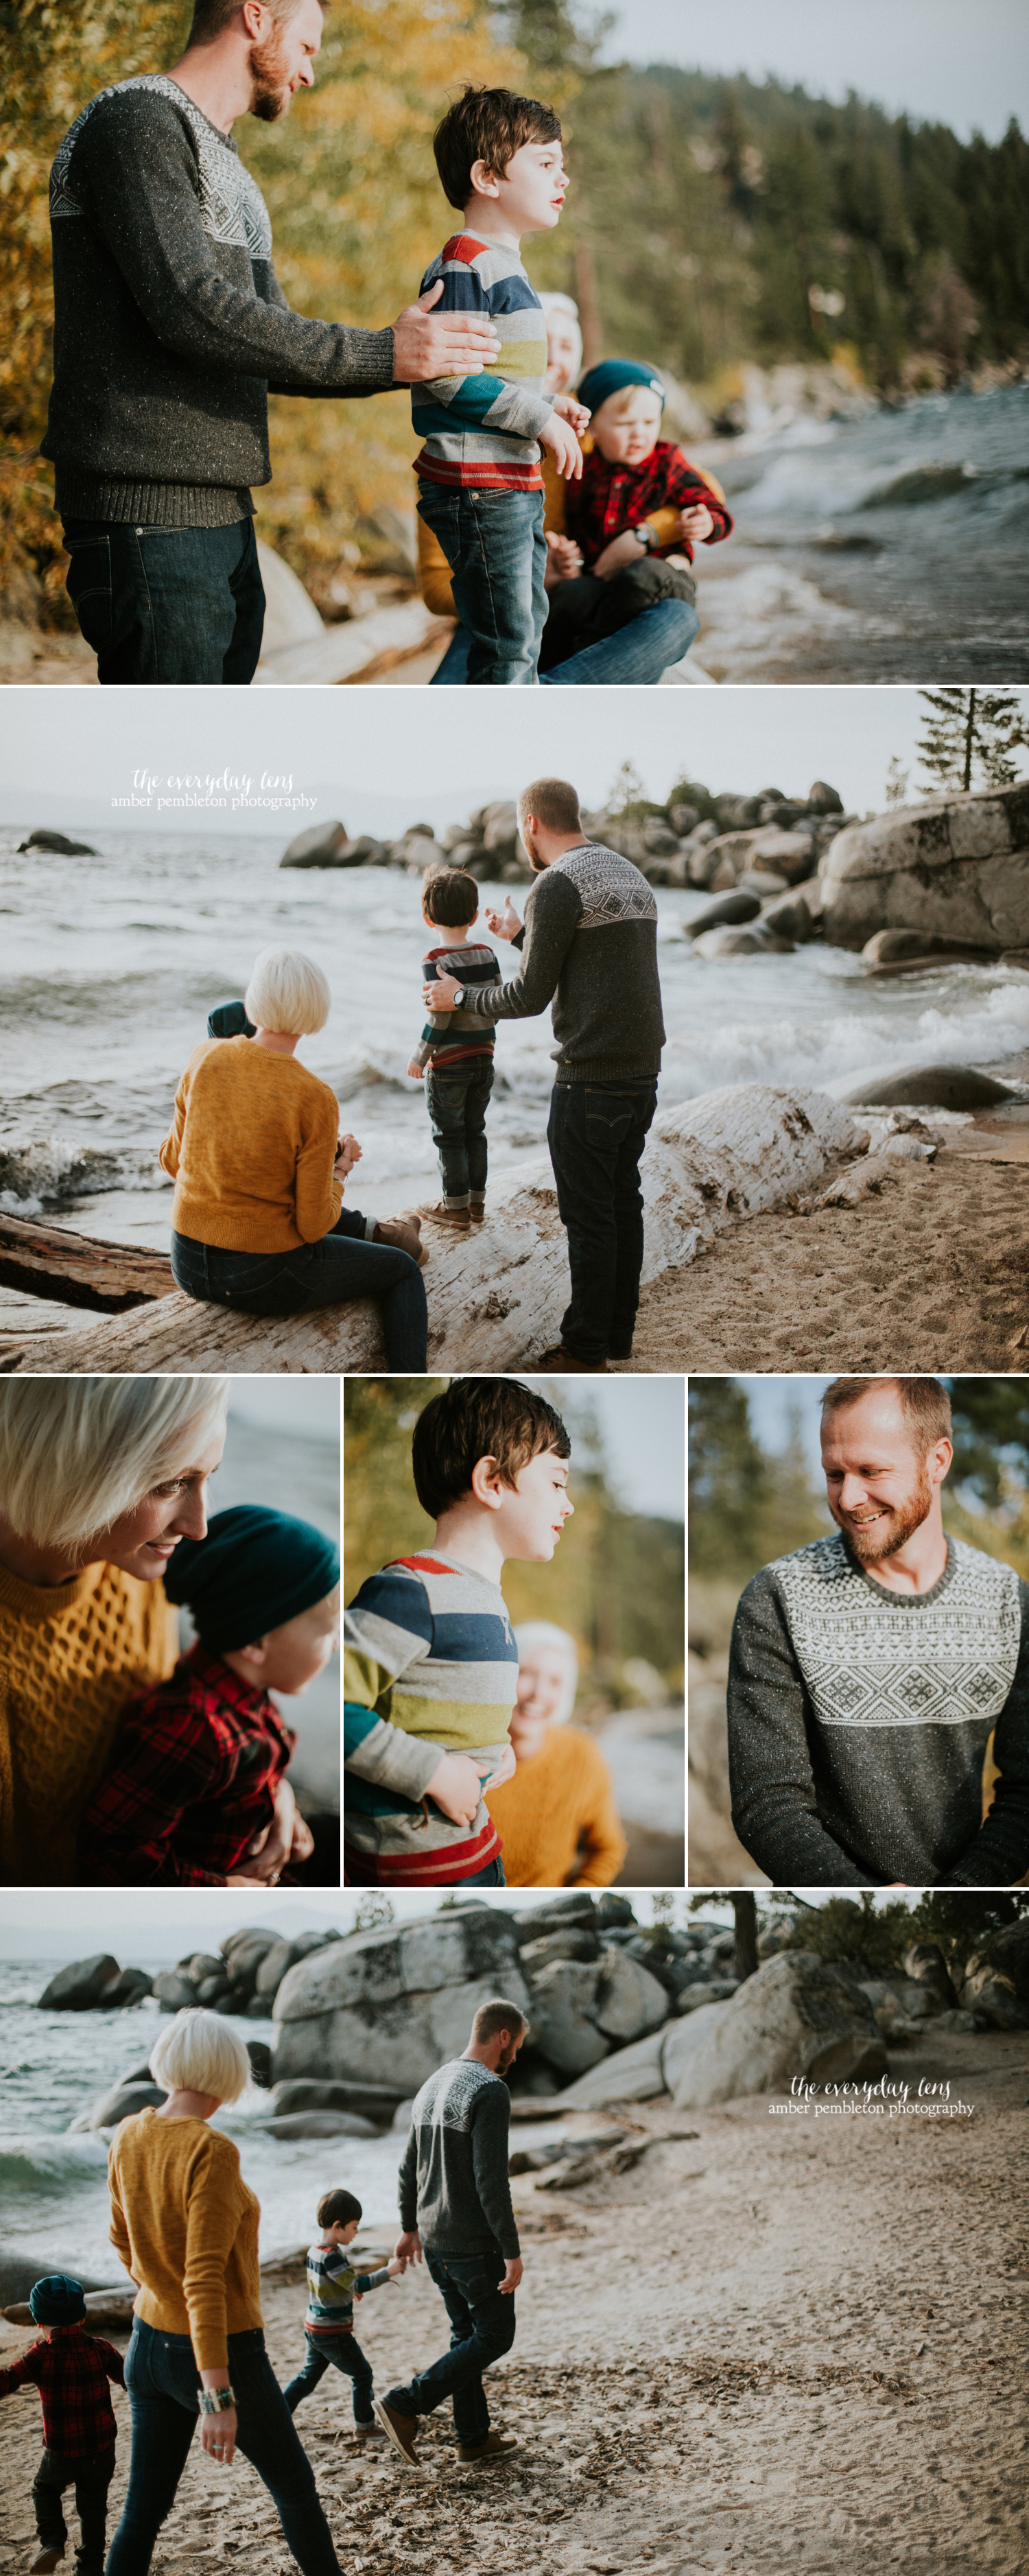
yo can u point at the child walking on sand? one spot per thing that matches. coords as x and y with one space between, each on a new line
70 2369
639 502
479 481
197 1794
457 1051
332 2287
430 1663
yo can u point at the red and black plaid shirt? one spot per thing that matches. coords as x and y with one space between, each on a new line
71 2372
613 497
196 1766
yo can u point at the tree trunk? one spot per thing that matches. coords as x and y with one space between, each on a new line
80 1269
745 1913
969 740
495 1299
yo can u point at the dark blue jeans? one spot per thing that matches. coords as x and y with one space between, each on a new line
333 2352
482 2330
167 605
596 1134
457 1100
497 553
90 2478
329 1273
632 659
162 2380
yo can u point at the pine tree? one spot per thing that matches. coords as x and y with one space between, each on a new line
896 782
971 735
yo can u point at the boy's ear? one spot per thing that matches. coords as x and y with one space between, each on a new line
484 180
487 1484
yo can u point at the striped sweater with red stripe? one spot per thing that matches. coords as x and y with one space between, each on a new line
449 1036
482 432
430 1666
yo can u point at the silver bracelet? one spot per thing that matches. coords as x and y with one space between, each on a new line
216 2401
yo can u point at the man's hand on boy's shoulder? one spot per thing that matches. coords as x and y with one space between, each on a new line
558 435
428 344
440 995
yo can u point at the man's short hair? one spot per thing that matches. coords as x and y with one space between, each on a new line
337 2208
488 125
211 17
494 2017
449 896
925 1405
555 803
480 1417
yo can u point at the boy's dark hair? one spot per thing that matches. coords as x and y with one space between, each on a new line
211 17
480 1417
337 2208
487 125
449 896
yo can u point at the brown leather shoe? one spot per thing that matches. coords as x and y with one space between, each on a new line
401 2430
367 2432
565 1361
457 1219
44 2560
496 2446
477 1214
405 1233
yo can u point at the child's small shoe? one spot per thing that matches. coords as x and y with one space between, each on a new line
477 1211
457 1219
369 2433
44 2561
565 1361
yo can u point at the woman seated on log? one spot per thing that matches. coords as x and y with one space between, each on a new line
99 1480
259 1167
557 1818
639 653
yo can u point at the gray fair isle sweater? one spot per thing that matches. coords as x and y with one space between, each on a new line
589 946
170 326
453 2175
858 1721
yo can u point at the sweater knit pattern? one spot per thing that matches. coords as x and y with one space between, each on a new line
251 1150
609 887
604 989
453 2177
481 432
231 205
185 2224
70 1657
867 1662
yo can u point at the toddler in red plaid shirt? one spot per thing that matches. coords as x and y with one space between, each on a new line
632 521
197 1794
70 2369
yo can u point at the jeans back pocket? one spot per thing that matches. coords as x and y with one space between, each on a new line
88 584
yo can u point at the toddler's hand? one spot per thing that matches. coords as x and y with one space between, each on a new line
564 560
696 523
396 2266
572 411
503 1769
302 1844
564 447
506 924
415 1070
455 1788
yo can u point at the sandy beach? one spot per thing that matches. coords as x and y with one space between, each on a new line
774 2340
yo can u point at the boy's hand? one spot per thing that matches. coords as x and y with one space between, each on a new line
397 2266
564 447
302 1844
696 523
503 1769
575 413
506 924
622 550
564 560
427 344
415 1070
455 1787
440 995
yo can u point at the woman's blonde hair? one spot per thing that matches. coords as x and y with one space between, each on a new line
529 1636
201 2053
77 1452
288 993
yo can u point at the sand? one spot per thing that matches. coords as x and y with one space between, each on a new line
776 2342
931 1274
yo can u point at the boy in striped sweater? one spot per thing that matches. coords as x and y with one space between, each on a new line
332 2287
457 1051
430 1664
479 480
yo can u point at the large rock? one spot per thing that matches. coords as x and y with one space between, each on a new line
320 2124
729 909
173 1991
564 2026
823 799
997 1978
82 1987
931 1086
755 942
574 1944
374 2102
119 2104
326 845
128 1989
387 2007
795 2017
273 1966
905 1995
533 1922
790 916
925 1962
629 2075
631 2002
789 854
58 844
957 864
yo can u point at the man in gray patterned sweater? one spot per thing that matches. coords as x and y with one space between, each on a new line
170 329
455 2203
590 948
868 1672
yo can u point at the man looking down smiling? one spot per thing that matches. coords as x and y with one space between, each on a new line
868 1670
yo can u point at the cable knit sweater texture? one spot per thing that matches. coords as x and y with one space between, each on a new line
71 1654
185 2225
251 1150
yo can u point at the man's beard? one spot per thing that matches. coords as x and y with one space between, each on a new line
506 2058
532 854
271 83
884 1536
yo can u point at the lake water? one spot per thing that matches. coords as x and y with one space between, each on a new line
895 547
103 1005
297 1471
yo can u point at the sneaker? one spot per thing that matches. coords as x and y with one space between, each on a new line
477 1214
457 1219
44 2560
400 2430
404 1232
566 1361
496 2446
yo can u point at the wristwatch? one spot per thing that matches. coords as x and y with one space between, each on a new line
458 997
644 537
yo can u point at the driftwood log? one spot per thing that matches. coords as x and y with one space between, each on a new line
495 1299
80 1269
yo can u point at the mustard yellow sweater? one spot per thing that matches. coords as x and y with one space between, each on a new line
251 1150
185 2224
560 1800
70 1655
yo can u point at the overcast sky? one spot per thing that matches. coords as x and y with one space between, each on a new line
642 1422
377 759
937 60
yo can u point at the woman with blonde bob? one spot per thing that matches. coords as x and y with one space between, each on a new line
259 1168
99 1480
557 1818
185 2225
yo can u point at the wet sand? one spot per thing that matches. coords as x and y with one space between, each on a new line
775 2342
